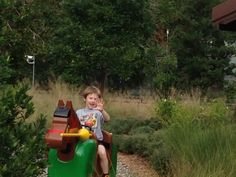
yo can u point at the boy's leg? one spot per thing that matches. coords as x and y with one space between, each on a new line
103 159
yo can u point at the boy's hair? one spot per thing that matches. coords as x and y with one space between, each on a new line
91 89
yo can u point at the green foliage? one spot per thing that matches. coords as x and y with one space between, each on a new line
121 126
202 152
195 138
22 149
26 27
215 112
5 70
206 114
15 38
165 75
106 38
117 41
184 139
165 111
142 129
202 55
132 144
158 153
133 126
230 91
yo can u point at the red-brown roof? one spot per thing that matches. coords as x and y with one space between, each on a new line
224 15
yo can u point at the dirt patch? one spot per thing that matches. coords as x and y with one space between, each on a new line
138 166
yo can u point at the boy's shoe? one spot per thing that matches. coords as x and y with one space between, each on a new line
105 175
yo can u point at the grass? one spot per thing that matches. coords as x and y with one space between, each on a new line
201 140
117 105
201 152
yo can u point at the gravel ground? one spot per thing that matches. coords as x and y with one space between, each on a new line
123 170
134 166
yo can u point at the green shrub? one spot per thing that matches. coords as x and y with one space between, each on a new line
158 153
22 147
142 130
165 111
132 144
160 160
153 123
132 126
206 114
214 112
230 91
120 126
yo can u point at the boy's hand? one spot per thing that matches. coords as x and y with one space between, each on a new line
100 105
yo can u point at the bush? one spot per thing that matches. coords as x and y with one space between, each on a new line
165 111
216 111
121 126
158 153
209 113
132 144
22 147
142 130
133 126
230 91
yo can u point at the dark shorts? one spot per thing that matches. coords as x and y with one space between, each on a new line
106 145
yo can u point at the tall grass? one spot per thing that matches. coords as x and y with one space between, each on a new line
202 152
45 100
201 140
117 105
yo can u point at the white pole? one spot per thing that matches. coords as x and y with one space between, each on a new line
33 73
31 60
167 40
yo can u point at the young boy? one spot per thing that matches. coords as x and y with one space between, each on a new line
93 116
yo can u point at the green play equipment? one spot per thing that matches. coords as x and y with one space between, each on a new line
73 149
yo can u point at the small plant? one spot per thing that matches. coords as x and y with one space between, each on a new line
230 92
165 111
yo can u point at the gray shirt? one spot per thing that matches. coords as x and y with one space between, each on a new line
92 118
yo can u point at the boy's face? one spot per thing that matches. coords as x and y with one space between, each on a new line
91 100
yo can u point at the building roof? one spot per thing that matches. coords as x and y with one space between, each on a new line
224 15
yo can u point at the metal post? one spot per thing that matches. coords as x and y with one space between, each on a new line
33 74
167 40
31 60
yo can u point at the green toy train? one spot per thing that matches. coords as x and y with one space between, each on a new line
73 149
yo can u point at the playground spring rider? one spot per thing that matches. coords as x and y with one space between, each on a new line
73 149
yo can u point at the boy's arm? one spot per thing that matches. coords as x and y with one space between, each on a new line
100 107
105 115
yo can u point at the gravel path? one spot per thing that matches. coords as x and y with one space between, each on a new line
134 166
123 170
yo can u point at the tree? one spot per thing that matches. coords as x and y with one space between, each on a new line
5 70
103 40
165 76
22 148
26 27
200 49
